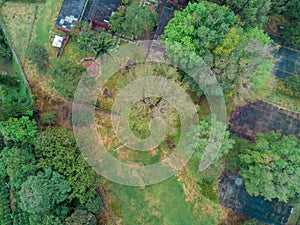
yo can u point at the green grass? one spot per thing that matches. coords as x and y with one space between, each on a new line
162 203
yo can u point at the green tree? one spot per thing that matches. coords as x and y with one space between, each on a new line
291 28
252 13
66 74
41 193
15 110
136 21
207 34
21 130
99 45
57 148
38 55
270 167
201 134
19 164
198 29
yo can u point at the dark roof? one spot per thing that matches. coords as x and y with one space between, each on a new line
234 196
70 12
101 10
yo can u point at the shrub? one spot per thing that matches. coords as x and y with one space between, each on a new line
48 118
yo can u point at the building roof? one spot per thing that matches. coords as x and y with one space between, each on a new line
70 12
232 194
101 10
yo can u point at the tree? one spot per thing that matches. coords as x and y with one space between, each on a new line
205 33
291 28
99 45
15 110
21 130
39 194
66 74
270 167
253 13
199 29
136 21
19 164
57 148
38 55
201 134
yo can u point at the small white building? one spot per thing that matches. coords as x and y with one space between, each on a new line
57 42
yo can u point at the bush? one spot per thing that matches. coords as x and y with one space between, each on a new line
38 55
48 118
94 206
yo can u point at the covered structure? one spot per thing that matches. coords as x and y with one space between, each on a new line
70 12
232 194
101 11
58 41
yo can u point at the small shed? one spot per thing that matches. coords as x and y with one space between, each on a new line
58 41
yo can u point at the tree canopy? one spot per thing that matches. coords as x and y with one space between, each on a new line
40 193
136 21
252 13
56 148
271 167
241 59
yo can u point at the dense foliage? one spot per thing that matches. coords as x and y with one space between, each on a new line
56 148
252 13
135 21
201 135
293 84
240 59
271 168
290 11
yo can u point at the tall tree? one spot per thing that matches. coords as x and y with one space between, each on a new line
252 13
241 59
203 132
39 194
271 167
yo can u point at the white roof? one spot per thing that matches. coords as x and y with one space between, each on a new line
57 42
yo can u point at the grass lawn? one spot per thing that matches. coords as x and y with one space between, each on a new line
17 18
164 203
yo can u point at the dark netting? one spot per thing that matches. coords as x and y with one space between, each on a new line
263 117
233 194
288 59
